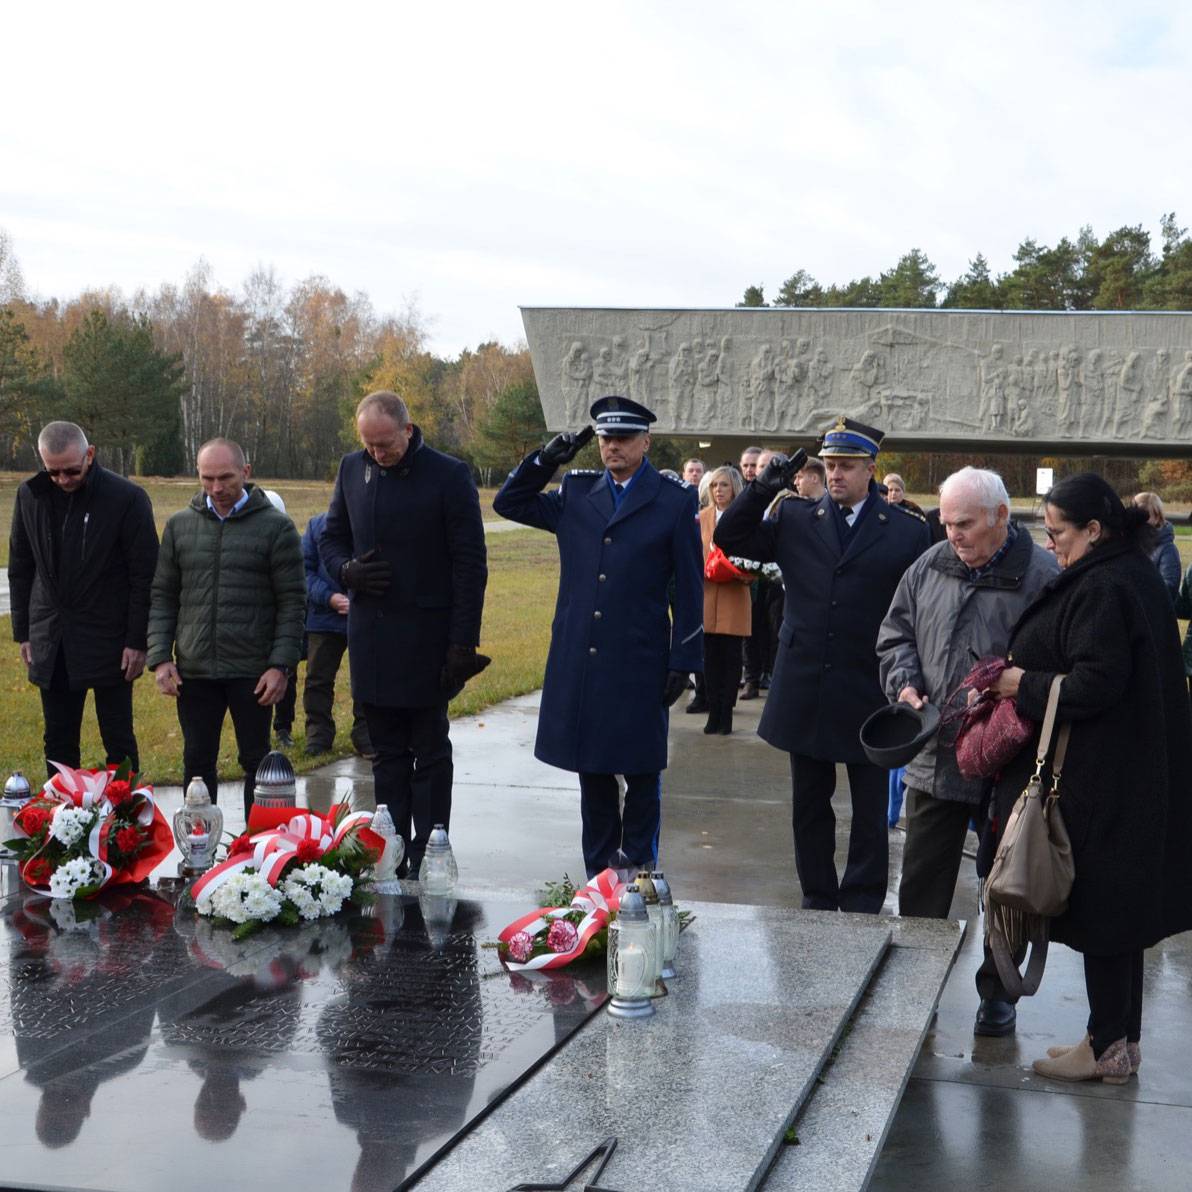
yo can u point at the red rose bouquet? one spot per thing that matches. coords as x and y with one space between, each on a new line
88 830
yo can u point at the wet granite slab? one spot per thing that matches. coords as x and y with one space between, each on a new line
140 1049
844 1125
697 1096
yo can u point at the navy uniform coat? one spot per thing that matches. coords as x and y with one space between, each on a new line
422 515
825 681
613 641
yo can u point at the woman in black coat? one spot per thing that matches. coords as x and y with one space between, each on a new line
1106 623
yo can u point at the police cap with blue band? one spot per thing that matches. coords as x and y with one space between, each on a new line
849 438
620 416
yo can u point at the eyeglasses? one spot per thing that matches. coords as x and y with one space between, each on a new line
70 473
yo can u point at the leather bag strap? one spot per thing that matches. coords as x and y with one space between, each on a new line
1053 702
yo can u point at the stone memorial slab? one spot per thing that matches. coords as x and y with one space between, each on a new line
143 1049
697 1097
1026 381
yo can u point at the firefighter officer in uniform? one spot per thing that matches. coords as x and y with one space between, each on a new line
628 624
841 558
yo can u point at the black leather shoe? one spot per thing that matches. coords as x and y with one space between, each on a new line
995 1018
696 706
750 690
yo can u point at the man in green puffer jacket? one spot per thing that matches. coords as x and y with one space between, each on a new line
226 614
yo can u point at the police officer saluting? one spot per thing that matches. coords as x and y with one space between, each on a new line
620 649
841 558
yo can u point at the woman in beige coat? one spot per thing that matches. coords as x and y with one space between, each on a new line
728 615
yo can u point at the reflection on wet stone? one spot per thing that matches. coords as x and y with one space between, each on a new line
377 1037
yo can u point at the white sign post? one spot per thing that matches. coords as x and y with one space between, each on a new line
1043 481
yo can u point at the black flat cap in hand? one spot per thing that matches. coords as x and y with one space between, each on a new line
894 734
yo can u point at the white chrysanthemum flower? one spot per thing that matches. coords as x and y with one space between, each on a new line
70 824
336 888
71 876
316 890
246 895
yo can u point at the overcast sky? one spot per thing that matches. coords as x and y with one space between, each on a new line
474 157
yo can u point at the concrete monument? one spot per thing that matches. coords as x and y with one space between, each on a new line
1037 381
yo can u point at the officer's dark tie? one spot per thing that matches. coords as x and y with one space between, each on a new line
618 489
845 512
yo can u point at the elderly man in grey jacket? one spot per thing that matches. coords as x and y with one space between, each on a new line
955 603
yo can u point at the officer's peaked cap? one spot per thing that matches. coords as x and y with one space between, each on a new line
620 416
848 437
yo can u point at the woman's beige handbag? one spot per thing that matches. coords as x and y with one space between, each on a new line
1033 869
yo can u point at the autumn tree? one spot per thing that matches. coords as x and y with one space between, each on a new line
12 281
28 392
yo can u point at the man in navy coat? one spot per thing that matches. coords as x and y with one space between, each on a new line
404 537
841 558
628 622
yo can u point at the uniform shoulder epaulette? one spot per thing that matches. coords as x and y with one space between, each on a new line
910 513
581 472
677 481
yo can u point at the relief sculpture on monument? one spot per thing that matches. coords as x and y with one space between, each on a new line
1016 377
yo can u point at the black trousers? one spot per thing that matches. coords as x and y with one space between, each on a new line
755 649
283 710
324 653
866 872
202 705
722 673
935 834
606 829
62 712
1114 986
413 771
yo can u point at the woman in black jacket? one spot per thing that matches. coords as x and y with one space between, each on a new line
1106 623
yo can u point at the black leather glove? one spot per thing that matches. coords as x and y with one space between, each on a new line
369 575
779 472
562 449
461 664
676 684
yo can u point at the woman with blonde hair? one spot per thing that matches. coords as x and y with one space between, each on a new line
1165 554
728 614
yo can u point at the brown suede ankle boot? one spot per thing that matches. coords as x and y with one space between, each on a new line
1079 1063
1133 1050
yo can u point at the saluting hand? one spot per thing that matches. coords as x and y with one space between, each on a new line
779 472
562 449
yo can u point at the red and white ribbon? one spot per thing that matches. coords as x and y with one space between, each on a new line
598 899
272 851
87 790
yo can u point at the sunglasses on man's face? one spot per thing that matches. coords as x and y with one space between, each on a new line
70 473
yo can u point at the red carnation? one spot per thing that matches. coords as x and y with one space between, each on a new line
128 840
118 791
38 871
308 851
242 844
33 820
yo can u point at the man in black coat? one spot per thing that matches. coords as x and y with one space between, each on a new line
841 558
81 558
404 537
